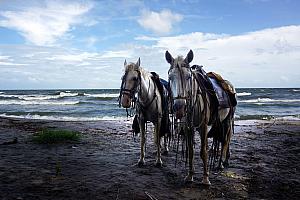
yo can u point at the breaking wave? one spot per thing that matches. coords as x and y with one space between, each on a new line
244 94
104 95
65 118
58 95
24 102
268 100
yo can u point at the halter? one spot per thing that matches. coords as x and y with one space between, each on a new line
129 92
135 89
181 78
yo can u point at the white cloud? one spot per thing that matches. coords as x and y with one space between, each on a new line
45 24
266 55
11 64
265 58
8 61
146 38
159 22
117 54
68 68
74 57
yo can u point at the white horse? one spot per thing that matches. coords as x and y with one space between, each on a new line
138 81
191 102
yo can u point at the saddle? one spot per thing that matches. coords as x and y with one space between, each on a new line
221 94
225 85
220 91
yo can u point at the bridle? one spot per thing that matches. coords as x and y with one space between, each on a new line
132 93
129 92
182 81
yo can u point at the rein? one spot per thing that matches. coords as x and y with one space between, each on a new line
186 134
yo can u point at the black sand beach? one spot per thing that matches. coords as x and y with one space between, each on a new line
264 164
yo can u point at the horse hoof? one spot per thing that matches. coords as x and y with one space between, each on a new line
206 182
158 164
226 164
220 167
141 163
188 179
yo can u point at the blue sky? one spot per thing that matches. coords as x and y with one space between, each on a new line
83 44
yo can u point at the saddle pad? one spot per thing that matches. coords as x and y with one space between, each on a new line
226 85
220 93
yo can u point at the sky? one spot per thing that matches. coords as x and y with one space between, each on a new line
60 44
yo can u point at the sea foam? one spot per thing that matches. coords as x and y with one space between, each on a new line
23 102
104 95
65 118
240 94
268 100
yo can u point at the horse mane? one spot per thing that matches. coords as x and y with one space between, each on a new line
178 60
143 72
130 67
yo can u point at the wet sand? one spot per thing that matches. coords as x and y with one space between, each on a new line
264 164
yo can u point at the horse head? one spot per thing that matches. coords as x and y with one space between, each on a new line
180 80
130 82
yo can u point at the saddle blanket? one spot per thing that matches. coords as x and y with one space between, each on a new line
220 93
226 85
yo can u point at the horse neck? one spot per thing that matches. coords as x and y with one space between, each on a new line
202 98
146 87
197 91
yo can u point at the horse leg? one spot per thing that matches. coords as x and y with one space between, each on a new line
226 161
203 154
190 140
158 162
227 142
166 144
141 161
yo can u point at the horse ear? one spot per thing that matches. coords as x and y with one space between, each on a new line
125 62
189 57
138 63
169 57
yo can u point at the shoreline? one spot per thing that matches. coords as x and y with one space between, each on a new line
278 119
264 164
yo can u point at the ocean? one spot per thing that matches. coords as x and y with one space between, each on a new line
102 104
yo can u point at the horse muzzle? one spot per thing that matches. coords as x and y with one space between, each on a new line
125 101
179 108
